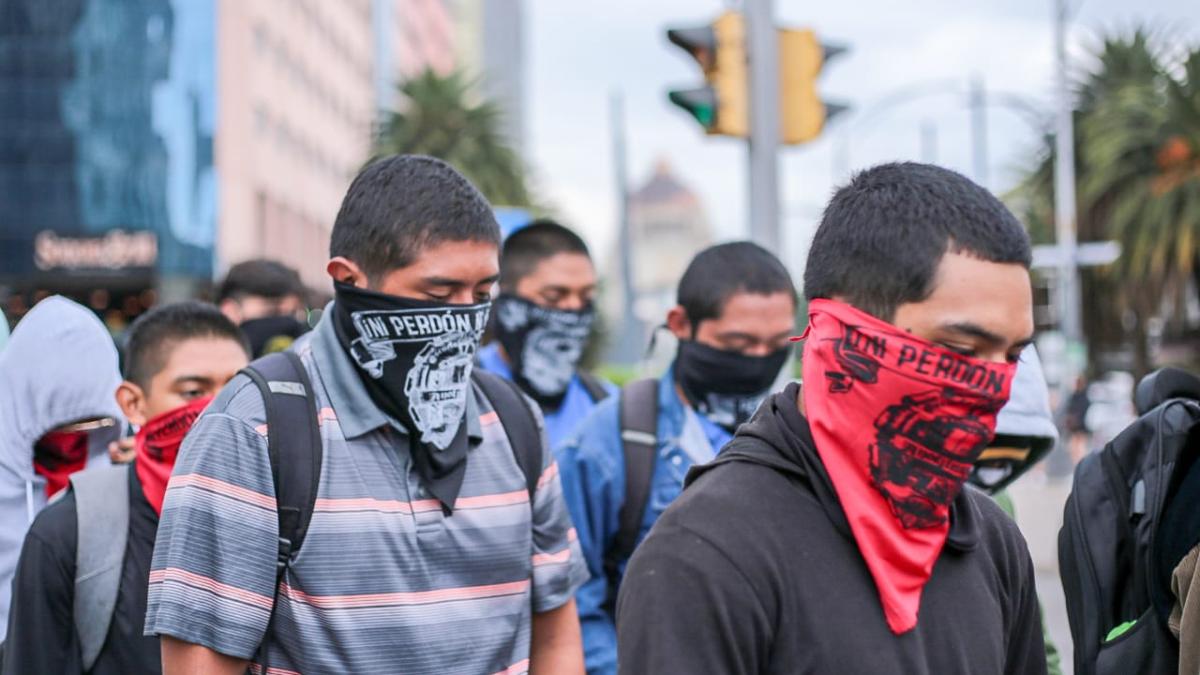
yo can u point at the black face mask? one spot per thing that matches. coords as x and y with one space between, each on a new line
271 334
1005 460
725 386
544 345
415 359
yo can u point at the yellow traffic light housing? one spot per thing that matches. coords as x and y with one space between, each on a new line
802 112
722 107
720 49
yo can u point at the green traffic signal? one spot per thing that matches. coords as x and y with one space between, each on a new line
700 103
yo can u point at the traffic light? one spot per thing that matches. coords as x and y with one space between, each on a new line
802 113
721 106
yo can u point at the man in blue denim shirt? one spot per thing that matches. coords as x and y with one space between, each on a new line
736 310
542 322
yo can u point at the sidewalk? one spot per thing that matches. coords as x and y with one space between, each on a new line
1039 505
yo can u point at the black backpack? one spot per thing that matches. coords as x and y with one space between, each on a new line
1108 546
638 416
294 441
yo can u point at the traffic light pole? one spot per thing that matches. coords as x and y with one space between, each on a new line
762 54
1064 202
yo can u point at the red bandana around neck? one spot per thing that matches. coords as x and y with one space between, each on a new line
59 454
157 445
898 423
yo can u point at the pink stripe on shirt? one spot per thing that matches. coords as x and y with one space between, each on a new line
409 598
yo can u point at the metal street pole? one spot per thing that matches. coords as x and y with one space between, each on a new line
763 54
979 130
1064 200
630 338
929 141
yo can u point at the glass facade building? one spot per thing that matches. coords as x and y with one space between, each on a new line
107 118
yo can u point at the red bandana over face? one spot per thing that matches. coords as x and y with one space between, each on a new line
898 423
157 445
59 454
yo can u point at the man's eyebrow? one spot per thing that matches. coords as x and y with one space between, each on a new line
977 331
199 379
737 335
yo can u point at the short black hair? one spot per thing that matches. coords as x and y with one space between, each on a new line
719 272
260 277
153 334
401 204
883 235
530 245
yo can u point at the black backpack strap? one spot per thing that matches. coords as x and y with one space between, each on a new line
519 424
639 443
594 387
294 446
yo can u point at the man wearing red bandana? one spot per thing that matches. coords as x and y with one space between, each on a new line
834 533
177 357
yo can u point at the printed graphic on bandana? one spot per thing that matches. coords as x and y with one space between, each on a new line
921 456
925 444
438 382
553 346
729 411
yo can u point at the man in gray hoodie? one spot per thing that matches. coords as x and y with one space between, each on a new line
57 378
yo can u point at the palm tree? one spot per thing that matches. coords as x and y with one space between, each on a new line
1138 170
437 118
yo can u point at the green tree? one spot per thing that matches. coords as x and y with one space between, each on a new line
438 117
1137 139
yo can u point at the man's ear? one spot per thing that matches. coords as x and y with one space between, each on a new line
346 271
678 323
132 400
232 309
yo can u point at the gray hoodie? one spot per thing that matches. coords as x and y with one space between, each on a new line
60 366
1027 412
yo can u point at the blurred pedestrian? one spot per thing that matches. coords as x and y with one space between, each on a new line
266 299
543 321
1025 434
439 540
57 413
736 309
79 595
833 535
1075 420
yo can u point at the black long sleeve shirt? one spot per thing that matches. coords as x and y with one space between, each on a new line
753 570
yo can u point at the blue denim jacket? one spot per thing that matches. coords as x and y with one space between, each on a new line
560 423
592 467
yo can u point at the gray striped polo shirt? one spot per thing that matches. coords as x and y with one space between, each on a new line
385 582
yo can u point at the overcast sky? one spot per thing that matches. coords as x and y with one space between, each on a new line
579 52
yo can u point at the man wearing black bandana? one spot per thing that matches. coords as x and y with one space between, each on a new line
542 322
460 542
736 310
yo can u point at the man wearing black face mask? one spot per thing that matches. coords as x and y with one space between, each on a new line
439 540
265 298
542 321
736 310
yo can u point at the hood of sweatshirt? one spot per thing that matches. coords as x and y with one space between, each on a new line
60 366
778 437
1027 415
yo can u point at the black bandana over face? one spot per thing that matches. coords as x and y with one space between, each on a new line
270 334
726 386
544 345
415 359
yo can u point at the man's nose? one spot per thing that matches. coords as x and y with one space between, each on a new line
573 302
760 349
